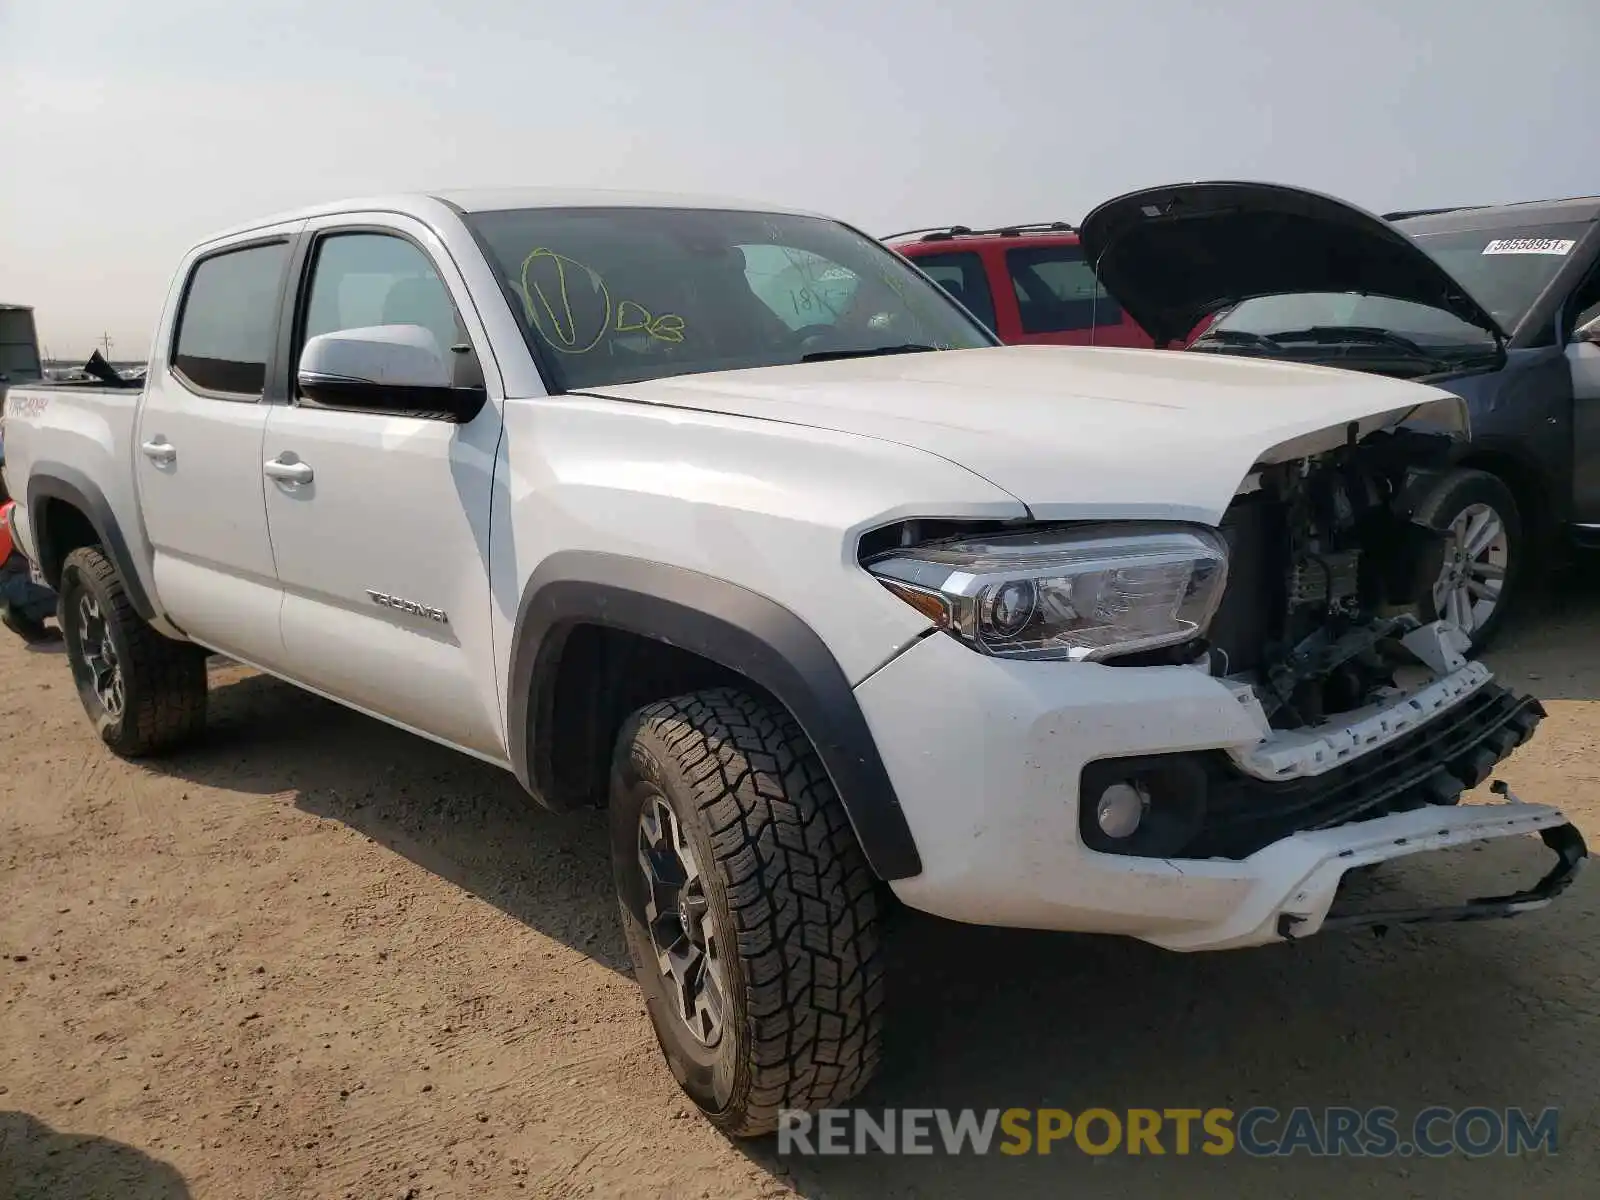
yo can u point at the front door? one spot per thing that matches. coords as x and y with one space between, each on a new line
380 522
197 453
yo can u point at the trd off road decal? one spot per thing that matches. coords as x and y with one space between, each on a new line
26 406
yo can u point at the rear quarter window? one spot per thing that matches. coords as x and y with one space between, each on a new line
228 320
1057 291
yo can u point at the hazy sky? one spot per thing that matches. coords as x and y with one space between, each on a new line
131 129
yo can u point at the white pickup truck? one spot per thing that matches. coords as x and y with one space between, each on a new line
728 518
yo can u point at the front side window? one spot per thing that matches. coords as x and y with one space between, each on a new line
229 319
961 274
366 279
617 295
1058 292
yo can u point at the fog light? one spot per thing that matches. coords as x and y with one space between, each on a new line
1121 808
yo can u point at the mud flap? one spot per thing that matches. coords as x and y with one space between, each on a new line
1567 844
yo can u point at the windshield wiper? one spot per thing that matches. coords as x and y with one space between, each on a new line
1238 337
870 352
1356 335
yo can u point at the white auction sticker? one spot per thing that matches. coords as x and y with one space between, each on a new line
1530 246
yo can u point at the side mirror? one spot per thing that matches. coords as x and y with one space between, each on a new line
396 369
1589 333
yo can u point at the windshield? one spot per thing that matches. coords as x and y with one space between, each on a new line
1273 316
1505 270
618 295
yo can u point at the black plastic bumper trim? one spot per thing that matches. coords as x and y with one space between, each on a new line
1432 764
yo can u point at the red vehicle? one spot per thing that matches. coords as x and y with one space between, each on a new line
1028 283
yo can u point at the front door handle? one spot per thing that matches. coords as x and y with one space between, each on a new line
288 469
159 450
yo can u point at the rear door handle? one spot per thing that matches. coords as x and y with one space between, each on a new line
293 471
159 450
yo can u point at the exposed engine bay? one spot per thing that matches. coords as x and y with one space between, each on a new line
1328 564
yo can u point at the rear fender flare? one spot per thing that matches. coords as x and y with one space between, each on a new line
51 483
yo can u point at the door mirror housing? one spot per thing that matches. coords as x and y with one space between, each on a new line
400 370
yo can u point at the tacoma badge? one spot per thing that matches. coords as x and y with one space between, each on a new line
409 606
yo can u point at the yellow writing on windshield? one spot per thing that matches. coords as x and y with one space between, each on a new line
570 305
635 318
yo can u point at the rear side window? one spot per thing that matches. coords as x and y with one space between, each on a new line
1057 291
229 319
962 275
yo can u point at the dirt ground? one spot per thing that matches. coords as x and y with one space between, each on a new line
318 957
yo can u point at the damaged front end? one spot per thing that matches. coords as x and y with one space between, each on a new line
1329 564
1322 633
1252 701
1367 708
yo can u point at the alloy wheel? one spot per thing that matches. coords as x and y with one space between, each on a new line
677 913
1477 551
99 655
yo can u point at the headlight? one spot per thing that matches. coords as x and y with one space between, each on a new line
1087 592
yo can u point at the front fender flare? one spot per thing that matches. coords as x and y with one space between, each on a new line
726 624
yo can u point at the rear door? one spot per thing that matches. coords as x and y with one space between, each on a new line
382 550
197 447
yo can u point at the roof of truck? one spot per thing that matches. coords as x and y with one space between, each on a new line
425 204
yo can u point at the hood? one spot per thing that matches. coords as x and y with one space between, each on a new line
1174 255
1076 433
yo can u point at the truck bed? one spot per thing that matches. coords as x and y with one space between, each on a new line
84 431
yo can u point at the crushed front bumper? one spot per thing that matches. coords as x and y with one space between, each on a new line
1564 840
988 758
1430 764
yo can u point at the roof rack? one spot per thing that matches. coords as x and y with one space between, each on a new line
943 233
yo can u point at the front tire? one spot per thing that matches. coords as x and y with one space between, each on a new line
1485 553
750 912
144 692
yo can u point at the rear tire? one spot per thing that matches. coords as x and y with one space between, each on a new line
737 871
1481 580
144 692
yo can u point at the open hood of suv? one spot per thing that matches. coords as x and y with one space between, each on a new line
1175 255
